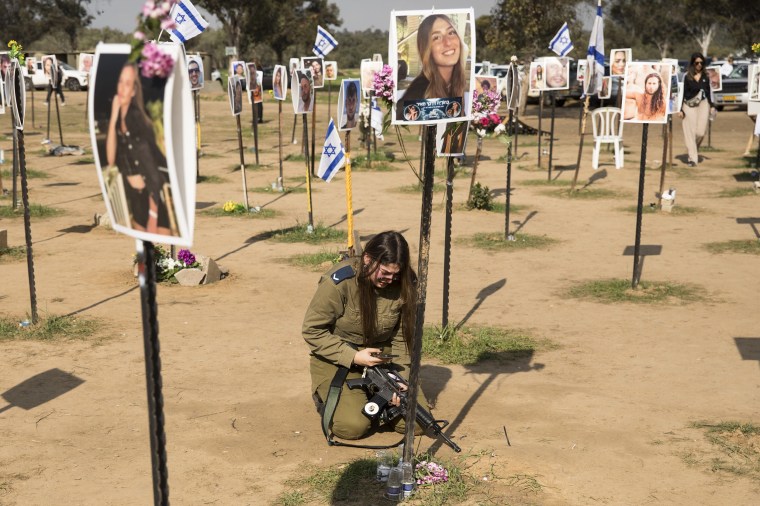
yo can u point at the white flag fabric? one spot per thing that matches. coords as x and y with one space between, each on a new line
324 43
596 54
333 154
189 21
561 43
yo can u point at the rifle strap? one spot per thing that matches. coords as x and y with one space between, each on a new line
333 396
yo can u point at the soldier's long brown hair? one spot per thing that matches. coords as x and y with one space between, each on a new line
383 249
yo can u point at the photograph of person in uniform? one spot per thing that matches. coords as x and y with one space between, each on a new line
349 110
485 83
650 99
618 59
131 146
557 73
302 91
437 47
85 62
331 70
362 307
54 77
279 82
195 72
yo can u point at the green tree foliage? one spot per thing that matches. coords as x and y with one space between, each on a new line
524 28
357 45
28 20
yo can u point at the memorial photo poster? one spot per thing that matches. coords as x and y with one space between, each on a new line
235 94
367 72
753 74
606 90
485 83
348 104
239 69
50 69
512 86
85 62
258 96
16 88
294 64
582 71
556 73
331 70
432 54
536 75
618 60
451 138
195 71
252 90
280 82
676 95
715 77
302 91
646 92
31 65
143 137
316 64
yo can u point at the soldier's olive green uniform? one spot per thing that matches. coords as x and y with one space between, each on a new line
332 329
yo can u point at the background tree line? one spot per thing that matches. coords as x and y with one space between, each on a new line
271 31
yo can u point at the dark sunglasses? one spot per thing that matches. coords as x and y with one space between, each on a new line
194 71
700 62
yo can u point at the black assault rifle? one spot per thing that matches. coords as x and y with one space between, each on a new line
381 383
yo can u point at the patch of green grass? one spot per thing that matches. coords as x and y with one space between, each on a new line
530 167
30 174
711 149
48 328
12 254
472 345
295 157
610 291
675 211
262 214
296 179
585 193
737 192
300 233
417 188
495 241
501 207
546 182
738 444
315 261
35 211
211 179
269 189
746 246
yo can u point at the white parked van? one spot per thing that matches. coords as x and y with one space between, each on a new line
73 80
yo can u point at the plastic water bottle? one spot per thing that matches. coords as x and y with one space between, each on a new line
384 461
393 489
407 479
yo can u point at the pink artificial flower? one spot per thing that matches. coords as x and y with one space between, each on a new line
139 35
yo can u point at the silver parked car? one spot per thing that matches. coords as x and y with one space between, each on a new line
734 90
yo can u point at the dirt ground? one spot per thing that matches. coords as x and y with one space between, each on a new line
601 418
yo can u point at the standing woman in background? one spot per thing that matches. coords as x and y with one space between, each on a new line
697 106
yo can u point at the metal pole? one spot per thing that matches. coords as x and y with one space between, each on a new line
147 276
368 138
349 197
422 277
48 118
27 224
664 156
58 115
196 107
551 140
308 174
242 163
540 115
15 168
509 180
293 135
580 144
279 137
640 207
313 133
255 130
447 241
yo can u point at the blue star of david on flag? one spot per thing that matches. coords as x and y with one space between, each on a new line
561 43
324 43
181 18
189 21
333 155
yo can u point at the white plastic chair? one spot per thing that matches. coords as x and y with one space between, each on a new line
608 129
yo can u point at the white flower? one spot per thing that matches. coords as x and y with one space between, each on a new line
500 129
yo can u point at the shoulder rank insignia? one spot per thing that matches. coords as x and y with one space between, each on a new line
342 274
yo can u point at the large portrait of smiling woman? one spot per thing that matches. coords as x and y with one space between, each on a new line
432 65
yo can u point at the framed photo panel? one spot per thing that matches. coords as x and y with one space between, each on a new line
280 82
646 92
619 58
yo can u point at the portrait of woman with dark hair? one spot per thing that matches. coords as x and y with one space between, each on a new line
131 146
442 56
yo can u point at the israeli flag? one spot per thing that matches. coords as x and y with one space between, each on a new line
595 54
324 43
561 43
189 21
333 154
